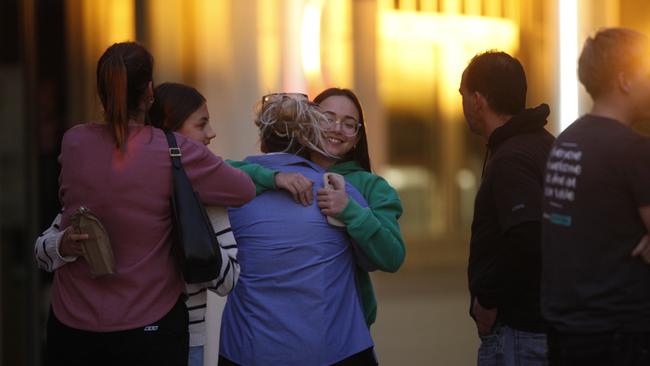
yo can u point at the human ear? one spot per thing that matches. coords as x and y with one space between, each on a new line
150 89
479 101
623 82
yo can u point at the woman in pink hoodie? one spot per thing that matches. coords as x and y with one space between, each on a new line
120 169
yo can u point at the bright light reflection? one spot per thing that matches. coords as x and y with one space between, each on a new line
405 177
466 179
310 40
419 50
568 34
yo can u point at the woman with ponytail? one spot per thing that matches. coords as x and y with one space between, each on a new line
120 170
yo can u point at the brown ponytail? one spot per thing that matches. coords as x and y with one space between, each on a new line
123 73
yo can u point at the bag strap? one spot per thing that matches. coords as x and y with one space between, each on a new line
174 151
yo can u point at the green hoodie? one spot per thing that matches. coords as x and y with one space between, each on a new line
375 228
264 179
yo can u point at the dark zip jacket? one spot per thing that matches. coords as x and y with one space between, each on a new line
504 262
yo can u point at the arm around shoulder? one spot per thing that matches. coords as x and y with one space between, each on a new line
217 183
263 178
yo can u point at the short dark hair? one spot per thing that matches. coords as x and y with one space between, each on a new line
359 153
499 78
173 104
609 52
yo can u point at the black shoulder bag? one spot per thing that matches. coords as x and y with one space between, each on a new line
195 244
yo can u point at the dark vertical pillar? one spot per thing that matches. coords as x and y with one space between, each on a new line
141 22
30 331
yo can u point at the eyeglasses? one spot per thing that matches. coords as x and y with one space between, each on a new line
275 97
349 126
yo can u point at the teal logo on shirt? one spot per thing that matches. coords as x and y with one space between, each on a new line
557 219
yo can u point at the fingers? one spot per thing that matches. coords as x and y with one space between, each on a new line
71 244
294 193
306 197
304 188
323 204
336 182
298 185
641 247
75 249
76 237
328 212
485 318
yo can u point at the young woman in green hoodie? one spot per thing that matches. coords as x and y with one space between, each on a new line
375 229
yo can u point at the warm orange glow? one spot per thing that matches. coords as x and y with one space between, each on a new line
213 36
167 27
310 37
106 22
269 35
336 44
112 20
425 53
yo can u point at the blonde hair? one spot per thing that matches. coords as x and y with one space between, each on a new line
288 124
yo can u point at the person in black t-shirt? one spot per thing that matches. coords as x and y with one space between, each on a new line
504 260
595 284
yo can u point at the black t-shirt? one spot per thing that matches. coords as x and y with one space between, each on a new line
597 177
504 266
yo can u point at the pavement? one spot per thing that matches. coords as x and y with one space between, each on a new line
423 318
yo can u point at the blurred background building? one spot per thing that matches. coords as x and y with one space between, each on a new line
404 58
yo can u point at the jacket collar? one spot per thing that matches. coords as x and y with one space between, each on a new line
528 120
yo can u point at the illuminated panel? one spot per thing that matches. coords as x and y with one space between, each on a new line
336 45
492 8
106 22
451 6
100 24
418 48
113 21
473 7
568 33
166 44
268 46
310 38
293 78
213 28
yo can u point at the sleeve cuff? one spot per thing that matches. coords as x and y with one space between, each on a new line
269 177
351 211
59 237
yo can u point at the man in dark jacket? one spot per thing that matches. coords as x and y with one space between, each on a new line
504 261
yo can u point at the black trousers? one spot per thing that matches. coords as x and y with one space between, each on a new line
363 358
607 349
164 342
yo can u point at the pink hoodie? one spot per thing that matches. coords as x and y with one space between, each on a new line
130 194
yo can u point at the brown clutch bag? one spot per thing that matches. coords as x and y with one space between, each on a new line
97 248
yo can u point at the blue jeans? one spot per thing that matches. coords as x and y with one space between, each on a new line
196 356
510 347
